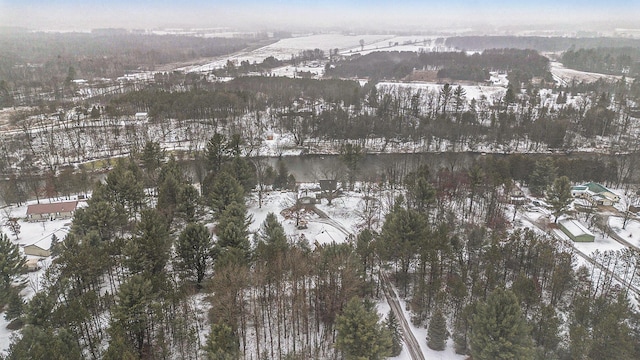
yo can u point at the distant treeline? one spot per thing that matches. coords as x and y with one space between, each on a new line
521 64
538 43
616 61
39 57
239 96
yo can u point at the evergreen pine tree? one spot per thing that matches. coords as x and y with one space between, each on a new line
222 343
11 265
38 343
132 315
188 203
499 331
611 335
360 336
393 328
168 192
217 152
542 176
232 229
559 196
437 334
194 251
224 191
15 305
273 237
148 251
243 171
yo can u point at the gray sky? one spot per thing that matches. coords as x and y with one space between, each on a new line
297 15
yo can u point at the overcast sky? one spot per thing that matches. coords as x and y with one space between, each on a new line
283 14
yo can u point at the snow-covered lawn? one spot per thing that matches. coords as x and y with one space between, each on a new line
631 232
490 93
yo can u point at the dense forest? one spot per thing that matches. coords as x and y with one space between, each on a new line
520 64
135 274
320 115
606 60
36 59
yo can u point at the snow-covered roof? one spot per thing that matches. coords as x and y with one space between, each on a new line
597 188
61 207
575 227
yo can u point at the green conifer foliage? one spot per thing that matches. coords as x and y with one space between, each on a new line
393 327
499 331
437 334
360 336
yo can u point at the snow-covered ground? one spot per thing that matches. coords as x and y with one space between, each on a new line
565 76
420 334
347 44
285 49
344 217
631 232
38 233
477 92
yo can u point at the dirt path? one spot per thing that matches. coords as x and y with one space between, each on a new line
392 298
603 223
325 219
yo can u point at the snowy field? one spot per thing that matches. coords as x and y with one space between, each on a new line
347 45
564 76
478 92
285 49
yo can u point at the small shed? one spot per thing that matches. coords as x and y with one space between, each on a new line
44 212
576 231
32 264
141 116
328 185
36 250
517 197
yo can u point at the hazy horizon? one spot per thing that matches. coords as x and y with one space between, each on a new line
75 15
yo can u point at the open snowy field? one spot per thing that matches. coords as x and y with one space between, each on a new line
564 76
286 48
345 43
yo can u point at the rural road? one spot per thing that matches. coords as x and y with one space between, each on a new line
578 252
392 298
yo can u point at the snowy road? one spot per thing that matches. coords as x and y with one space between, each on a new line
557 234
392 298
409 339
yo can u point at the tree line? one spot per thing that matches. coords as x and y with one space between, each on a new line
521 64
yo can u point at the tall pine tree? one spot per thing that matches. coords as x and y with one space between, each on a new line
194 251
437 334
360 336
499 331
